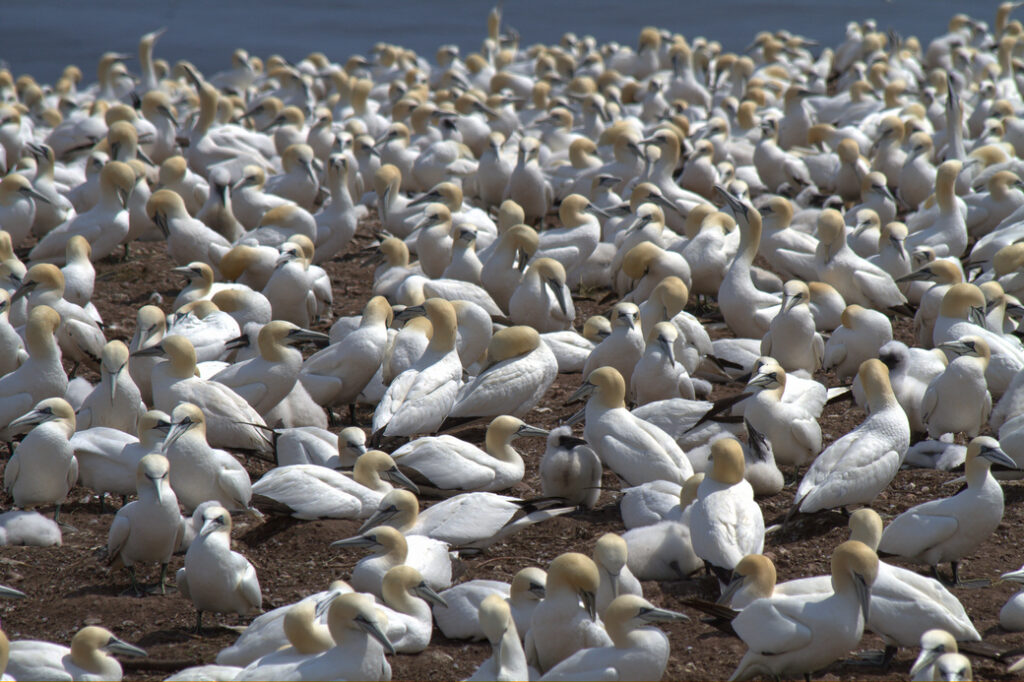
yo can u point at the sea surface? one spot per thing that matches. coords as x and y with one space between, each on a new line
40 37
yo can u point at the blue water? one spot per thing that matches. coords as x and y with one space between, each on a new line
40 37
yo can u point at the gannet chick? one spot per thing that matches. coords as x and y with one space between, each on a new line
198 471
507 660
638 651
428 556
951 528
957 400
792 339
226 414
149 529
934 643
636 450
726 524
623 348
447 463
859 281
116 401
87 659
858 466
43 467
863 332
460 619
570 469
421 397
518 372
799 634
790 427
560 625
610 555
542 299
214 577
467 520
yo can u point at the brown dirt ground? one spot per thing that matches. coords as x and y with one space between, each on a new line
70 586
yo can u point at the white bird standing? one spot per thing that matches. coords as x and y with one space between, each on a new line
43 468
861 464
116 401
214 577
149 529
951 528
957 400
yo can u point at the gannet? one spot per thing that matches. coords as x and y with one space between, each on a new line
1011 616
116 401
790 635
792 339
951 528
460 618
747 310
623 348
407 599
447 463
862 463
934 644
862 333
634 449
947 233
226 414
517 373
663 550
108 459
507 660
214 577
957 400
86 659
610 555
791 427
859 281
41 375
542 300
79 336
657 376
466 520
188 239
560 625
638 651
43 467
726 524
104 226
309 491
420 398
149 529
198 471
18 202
428 556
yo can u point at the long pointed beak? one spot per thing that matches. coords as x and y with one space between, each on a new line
669 350
374 631
925 660
423 199
28 191
178 430
302 335
576 418
156 486
663 616
311 172
1014 576
900 248
922 275
863 591
118 646
582 392
589 603
559 292
731 589
355 541
997 456
24 290
33 418
376 519
527 430
156 351
395 475
11 593
113 382
424 591
977 316
237 342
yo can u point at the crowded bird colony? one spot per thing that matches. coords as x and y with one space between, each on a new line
762 238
